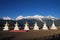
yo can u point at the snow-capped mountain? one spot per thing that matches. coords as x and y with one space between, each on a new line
29 17
31 20
51 17
37 17
6 18
19 17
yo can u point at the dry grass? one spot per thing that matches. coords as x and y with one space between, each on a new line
31 34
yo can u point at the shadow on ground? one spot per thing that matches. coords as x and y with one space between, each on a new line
54 37
7 38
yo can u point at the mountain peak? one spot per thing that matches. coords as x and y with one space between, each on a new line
38 17
19 18
6 18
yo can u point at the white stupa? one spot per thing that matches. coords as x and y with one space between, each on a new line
45 27
6 26
53 26
16 26
35 26
26 26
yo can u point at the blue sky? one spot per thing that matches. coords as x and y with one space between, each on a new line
14 8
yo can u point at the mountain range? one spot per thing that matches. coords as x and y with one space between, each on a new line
31 20
39 17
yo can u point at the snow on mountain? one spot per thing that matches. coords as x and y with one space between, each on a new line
51 17
37 17
6 18
29 17
19 17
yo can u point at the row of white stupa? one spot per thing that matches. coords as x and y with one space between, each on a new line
53 27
